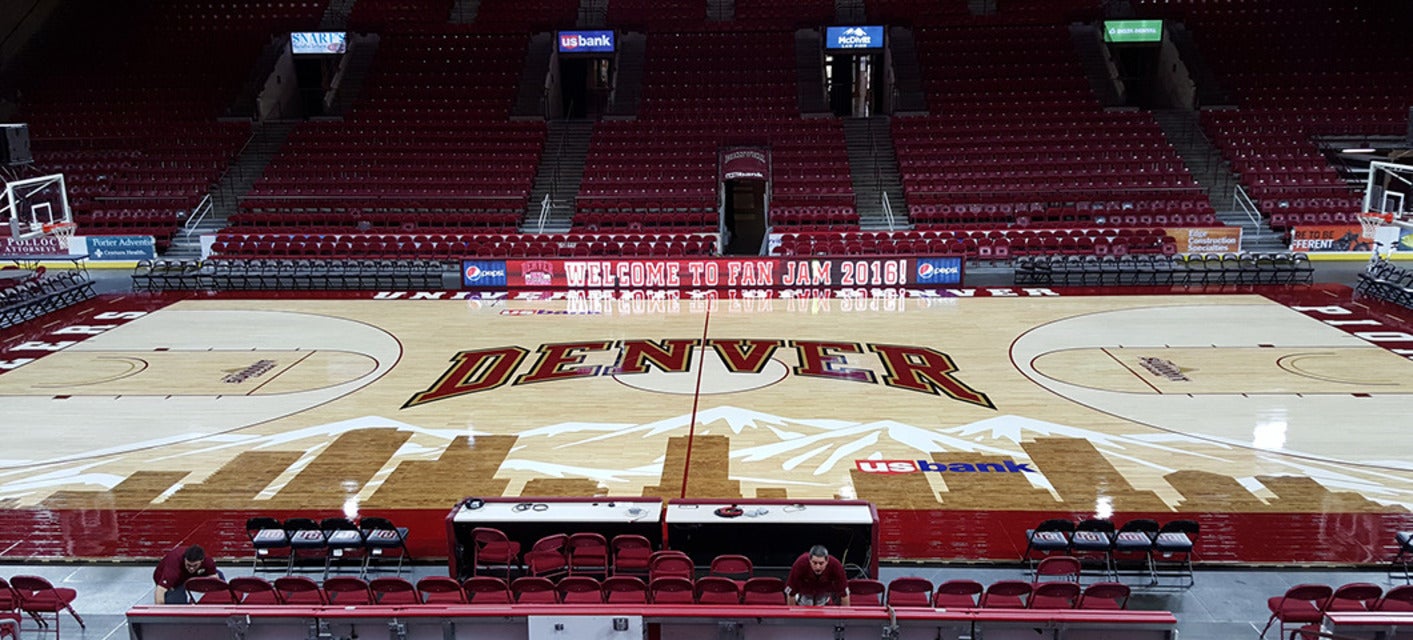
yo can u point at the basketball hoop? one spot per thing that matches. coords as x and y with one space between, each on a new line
1370 222
62 231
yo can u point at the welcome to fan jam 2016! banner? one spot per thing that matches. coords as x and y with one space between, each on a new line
711 273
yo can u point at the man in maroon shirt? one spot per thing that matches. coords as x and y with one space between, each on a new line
816 579
175 568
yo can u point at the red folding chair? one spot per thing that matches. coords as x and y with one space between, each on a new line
1104 595
763 590
441 590
393 590
957 594
209 590
487 590
580 590
625 590
1054 595
717 590
37 597
534 590
1301 604
909 591
671 590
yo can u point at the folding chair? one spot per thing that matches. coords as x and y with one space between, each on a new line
209 590
1174 548
342 540
1006 594
487 590
1399 566
38 597
1091 538
625 590
717 590
305 537
580 590
1399 598
957 594
1049 537
346 590
393 590
631 554
267 536
494 548
1355 596
764 590
534 590
1104 595
1300 605
440 590
671 590
380 536
670 563
254 591
909 591
299 590
1054 595
734 567
588 553
1063 568
548 557
1134 539
866 592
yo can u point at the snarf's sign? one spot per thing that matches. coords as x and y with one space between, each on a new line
910 368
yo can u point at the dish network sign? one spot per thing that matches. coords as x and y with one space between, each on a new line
733 272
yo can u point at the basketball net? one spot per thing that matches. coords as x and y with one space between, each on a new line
63 232
1370 222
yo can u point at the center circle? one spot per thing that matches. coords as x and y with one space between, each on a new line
715 376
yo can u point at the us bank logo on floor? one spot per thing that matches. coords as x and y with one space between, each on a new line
927 466
726 365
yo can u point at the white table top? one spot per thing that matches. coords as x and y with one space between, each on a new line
528 511
784 513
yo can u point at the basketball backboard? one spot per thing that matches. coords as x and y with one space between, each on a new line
35 207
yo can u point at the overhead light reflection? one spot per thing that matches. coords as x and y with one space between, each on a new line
1270 433
1104 508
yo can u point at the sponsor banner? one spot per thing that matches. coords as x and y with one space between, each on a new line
41 246
1133 30
870 37
939 270
118 248
318 42
1405 239
885 298
586 42
1321 238
890 467
766 273
745 163
483 273
1207 239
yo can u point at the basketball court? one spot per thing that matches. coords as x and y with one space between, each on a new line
965 417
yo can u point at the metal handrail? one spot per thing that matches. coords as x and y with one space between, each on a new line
887 209
1247 205
198 213
545 206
